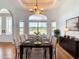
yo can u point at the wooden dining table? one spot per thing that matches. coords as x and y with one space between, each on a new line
34 45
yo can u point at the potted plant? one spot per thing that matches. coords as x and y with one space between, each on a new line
57 34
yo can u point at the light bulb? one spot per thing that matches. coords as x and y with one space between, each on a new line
41 9
35 7
37 12
30 9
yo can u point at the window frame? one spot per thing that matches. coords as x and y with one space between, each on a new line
4 13
52 30
37 21
20 32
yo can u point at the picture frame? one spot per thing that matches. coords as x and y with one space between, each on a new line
73 24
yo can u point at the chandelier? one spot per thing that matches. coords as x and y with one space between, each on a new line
37 6
36 9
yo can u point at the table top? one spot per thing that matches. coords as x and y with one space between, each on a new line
31 43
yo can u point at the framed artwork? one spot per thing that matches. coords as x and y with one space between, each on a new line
73 24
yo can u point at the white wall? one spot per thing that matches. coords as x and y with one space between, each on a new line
68 10
19 13
63 10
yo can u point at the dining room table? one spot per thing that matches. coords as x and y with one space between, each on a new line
36 44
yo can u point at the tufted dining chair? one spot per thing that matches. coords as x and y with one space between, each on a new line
29 50
54 42
17 42
24 39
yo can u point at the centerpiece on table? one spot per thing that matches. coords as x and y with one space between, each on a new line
37 37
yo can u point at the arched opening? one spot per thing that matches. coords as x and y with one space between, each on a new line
5 22
37 23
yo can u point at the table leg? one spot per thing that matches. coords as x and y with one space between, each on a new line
45 53
26 53
50 52
21 52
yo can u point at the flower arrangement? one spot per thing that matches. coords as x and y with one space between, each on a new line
57 34
37 33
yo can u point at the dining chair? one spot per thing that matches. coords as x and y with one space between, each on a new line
38 38
45 49
24 39
29 50
17 43
46 39
54 42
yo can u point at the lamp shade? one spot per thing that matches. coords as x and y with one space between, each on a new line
66 29
29 4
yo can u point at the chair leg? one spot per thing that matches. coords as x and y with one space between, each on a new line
54 53
45 53
26 54
17 54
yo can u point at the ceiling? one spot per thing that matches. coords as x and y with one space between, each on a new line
62 8
29 4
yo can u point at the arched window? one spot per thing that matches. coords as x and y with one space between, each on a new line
38 17
5 22
53 27
37 23
21 27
